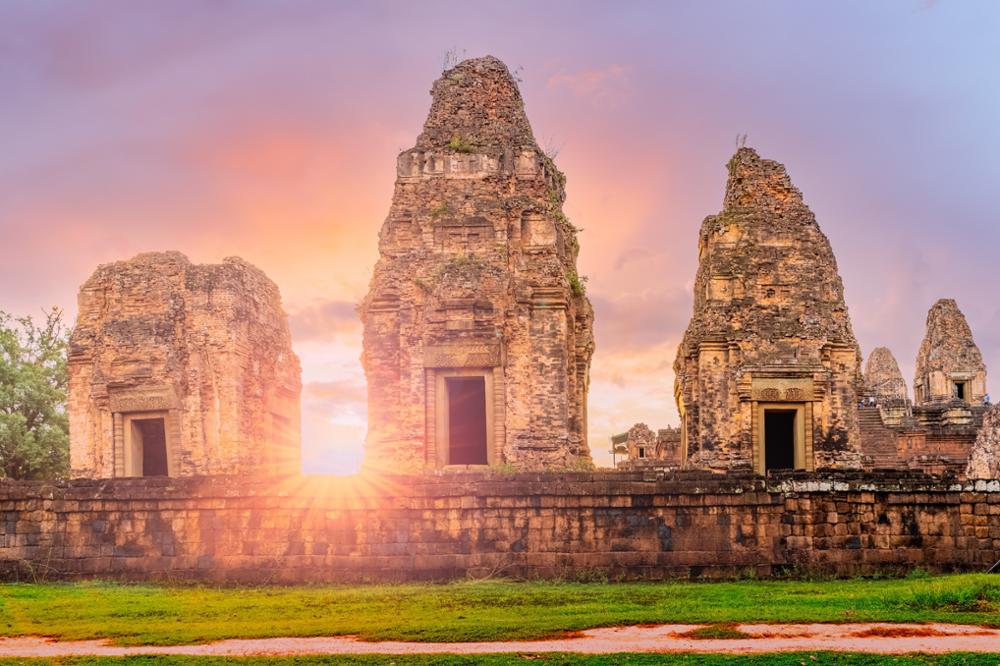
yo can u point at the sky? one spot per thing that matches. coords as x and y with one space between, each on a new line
270 130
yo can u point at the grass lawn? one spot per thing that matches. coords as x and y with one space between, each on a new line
491 610
789 659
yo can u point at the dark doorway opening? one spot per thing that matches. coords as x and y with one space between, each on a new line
154 446
960 390
779 439
466 420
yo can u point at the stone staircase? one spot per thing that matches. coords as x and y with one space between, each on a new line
878 443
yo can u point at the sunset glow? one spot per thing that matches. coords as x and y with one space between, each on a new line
270 131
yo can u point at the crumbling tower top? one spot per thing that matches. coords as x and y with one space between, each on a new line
476 106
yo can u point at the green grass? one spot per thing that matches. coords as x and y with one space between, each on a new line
470 611
786 659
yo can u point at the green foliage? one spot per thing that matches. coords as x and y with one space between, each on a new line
461 144
548 161
473 611
440 210
34 427
461 262
577 284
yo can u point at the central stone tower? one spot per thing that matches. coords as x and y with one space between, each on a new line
477 332
768 372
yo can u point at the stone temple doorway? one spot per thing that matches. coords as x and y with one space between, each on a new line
467 440
146 445
463 427
779 439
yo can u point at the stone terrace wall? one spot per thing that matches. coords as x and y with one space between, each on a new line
622 525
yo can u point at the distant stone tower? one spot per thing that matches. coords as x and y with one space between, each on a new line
950 368
768 373
477 332
884 382
177 369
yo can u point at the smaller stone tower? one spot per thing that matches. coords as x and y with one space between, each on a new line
768 373
177 369
950 368
884 384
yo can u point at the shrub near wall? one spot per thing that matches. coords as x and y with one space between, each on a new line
567 525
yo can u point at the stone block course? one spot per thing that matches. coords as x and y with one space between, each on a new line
576 525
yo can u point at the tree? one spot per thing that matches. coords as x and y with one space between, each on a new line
34 427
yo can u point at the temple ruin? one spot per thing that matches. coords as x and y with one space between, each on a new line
936 432
641 448
477 331
768 373
178 369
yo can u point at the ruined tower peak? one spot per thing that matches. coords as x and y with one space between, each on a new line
883 379
476 108
758 183
948 332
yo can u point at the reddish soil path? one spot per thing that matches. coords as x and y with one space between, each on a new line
876 638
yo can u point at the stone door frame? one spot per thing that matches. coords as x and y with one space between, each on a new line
128 455
803 433
439 404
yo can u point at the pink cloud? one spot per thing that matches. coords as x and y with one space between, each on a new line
588 82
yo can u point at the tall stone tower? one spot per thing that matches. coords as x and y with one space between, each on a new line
768 372
950 366
179 369
477 332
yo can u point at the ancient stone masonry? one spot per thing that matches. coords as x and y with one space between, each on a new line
984 460
477 332
181 369
950 368
884 385
768 373
630 525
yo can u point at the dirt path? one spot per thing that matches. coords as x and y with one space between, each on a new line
878 638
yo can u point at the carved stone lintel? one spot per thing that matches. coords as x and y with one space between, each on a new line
466 355
147 399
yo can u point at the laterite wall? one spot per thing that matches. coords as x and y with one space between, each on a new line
620 525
